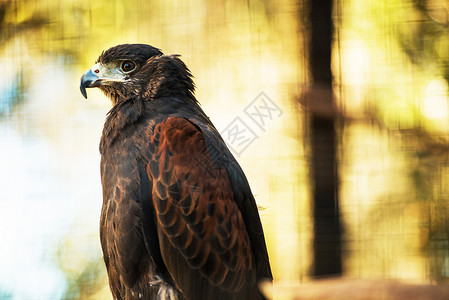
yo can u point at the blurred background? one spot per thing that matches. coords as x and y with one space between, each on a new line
390 64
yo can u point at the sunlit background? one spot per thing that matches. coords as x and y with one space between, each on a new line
391 72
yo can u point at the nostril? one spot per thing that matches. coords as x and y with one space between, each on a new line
96 71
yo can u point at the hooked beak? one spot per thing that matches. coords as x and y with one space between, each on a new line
89 80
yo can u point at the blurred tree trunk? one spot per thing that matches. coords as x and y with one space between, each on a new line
327 233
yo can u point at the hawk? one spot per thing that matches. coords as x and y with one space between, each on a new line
178 219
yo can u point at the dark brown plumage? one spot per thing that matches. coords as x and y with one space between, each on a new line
178 218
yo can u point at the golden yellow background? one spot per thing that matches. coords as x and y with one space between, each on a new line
390 66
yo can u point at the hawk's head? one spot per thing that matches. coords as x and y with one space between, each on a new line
131 70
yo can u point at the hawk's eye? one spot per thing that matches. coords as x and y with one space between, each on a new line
127 66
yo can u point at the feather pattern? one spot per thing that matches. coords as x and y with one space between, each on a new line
178 219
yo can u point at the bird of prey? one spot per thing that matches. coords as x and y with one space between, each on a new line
178 219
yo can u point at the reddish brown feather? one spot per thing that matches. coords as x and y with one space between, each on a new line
198 216
170 216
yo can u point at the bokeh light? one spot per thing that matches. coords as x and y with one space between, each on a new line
391 70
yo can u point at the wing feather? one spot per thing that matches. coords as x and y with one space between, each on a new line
201 228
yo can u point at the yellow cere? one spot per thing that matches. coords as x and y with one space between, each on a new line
390 67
